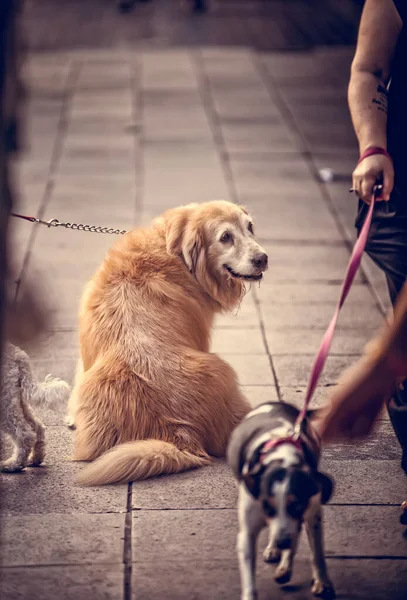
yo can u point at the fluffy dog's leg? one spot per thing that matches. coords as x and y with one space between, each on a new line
72 404
23 436
37 454
322 585
250 524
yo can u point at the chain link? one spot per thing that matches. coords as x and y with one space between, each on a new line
82 227
74 226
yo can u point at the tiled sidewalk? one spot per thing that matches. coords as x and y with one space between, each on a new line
115 139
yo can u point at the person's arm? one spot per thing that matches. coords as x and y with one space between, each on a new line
358 399
379 30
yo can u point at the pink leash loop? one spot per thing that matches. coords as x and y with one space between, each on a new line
323 351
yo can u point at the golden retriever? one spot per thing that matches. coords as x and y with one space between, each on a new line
149 397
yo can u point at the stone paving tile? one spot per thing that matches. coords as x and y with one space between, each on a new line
74 539
199 580
171 178
191 490
305 317
258 394
312 263
300 340
294 222
383 478
294 370
70 582
244 316
381 445
296 394
252 369
237 341
322 395
190 535
51 489
275 293
195 489
258 138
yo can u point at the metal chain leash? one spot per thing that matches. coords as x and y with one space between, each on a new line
73 226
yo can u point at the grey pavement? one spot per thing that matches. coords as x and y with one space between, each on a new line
116 137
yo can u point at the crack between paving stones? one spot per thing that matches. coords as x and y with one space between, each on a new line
67 565
205 93
127 549
205 90
272 87
137 101
70 88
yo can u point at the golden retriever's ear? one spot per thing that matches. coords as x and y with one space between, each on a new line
176 222
192 246
182 236
244 209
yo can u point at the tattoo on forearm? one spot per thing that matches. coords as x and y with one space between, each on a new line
380 100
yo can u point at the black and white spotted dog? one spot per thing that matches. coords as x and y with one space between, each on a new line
280 487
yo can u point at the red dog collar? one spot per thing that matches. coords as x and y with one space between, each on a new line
271 444
374 150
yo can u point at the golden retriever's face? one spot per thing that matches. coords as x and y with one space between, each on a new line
216 241
232 248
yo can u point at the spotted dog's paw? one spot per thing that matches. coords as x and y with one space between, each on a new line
249 595
323 590
282 575
271 555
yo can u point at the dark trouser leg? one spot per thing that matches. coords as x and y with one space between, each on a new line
387 247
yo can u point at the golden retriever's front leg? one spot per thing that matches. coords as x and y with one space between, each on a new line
73 399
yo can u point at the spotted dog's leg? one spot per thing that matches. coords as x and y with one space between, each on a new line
251 521
322 586
284 570
271 554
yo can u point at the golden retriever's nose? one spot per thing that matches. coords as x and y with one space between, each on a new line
260 261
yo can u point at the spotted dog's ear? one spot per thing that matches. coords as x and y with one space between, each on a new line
252 479
326 486
251 473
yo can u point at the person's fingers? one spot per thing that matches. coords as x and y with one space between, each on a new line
367 187
388 183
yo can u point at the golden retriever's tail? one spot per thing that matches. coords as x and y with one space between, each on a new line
138 460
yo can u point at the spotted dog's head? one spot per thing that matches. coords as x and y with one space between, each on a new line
287 489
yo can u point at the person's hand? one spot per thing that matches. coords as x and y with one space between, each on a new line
357 401
374 169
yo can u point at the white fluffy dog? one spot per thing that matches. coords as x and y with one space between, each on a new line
19 388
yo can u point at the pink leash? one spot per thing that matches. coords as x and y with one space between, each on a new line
324 348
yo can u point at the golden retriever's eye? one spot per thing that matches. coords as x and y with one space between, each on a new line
250 228
226 237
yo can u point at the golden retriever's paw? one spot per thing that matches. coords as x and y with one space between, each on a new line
323 590
70 422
